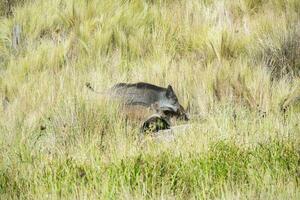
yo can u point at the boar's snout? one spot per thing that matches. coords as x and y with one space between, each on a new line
184 116
179 114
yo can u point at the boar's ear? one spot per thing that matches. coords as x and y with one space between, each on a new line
169 91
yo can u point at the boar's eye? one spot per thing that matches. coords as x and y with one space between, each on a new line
174 102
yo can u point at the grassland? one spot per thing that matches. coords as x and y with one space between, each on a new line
235 63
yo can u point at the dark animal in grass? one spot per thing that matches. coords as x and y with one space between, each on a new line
143 99
146 94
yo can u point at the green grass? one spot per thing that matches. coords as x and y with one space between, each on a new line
235 63
262 170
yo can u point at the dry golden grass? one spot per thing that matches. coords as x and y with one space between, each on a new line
235 63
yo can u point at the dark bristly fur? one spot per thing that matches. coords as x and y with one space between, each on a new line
146 94
163 100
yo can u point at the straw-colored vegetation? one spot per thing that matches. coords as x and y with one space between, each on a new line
235 63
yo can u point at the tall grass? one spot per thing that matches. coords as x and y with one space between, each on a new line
235 63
